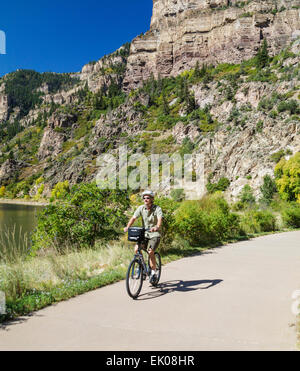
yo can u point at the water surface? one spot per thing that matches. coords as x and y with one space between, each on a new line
21 218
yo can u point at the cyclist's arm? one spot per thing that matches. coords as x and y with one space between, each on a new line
159 222
158 225
160 216
131 221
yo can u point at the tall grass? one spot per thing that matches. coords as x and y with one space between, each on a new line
14 244
43 273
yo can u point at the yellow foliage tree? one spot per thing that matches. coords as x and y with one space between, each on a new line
60 189
287 174
2 191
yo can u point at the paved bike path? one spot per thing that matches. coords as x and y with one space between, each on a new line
237 297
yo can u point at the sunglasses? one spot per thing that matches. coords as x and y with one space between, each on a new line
147 198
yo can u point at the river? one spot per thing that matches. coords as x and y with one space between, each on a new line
16 222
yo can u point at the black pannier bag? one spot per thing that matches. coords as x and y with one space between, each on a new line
136 234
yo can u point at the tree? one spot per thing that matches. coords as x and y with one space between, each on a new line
165 104
181 89
60 190
190 103
2 191
197 72
268 189
262 57
287 177
187 96
85 214
98 101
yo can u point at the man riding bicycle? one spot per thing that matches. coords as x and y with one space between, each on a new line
152 219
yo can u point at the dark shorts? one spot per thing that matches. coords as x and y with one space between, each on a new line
151 243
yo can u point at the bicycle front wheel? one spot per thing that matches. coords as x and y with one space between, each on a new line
134 278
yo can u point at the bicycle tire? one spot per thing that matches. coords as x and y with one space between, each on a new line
158 268
134 278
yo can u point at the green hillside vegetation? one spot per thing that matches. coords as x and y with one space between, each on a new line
21 87
169 101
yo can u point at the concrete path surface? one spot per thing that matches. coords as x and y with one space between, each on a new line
237 297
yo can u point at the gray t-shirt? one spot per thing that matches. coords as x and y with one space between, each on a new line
150 218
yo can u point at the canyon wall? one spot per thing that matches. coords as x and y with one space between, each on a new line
183 32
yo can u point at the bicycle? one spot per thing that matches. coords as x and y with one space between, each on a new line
138 270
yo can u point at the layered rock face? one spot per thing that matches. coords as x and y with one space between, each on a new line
101 73
183 32
54 136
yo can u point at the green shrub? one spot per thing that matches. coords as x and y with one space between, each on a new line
187 146
291 215
177 194
60 190
277 156
259 126
246 196
237 206
168 207
221 185
291 106
85 214
273 114
255 221
206 221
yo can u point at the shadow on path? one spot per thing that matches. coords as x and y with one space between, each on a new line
178 285
4 326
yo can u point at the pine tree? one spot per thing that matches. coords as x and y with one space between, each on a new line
203 70
165 104
268 189
181 89
190 103
197 72
160 84
262 57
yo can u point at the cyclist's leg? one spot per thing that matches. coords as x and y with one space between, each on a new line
152 247
143 246
152 259
136 248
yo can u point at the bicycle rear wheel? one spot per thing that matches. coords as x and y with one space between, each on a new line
158 269
134 278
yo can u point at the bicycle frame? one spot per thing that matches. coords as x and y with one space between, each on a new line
139 255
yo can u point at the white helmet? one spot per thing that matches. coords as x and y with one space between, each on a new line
148 193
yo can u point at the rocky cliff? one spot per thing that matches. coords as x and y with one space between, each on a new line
241 116
183 32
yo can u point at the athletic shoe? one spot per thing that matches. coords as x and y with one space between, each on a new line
153 278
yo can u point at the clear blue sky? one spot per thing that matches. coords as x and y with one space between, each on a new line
63 35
